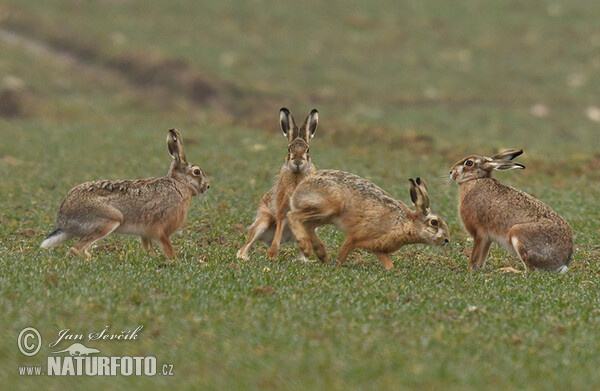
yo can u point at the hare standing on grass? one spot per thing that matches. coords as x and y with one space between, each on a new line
152 208
491 211
270 224
370 217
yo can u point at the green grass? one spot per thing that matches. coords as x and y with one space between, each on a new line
403 90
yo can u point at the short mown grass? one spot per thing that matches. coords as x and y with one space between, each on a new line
403 90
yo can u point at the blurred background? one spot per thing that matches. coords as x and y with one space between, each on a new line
485 74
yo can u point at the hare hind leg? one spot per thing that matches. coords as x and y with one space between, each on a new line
256 230
102 230
538 247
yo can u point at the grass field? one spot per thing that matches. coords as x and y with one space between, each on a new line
404 89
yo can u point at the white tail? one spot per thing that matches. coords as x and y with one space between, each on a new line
56 238
563 269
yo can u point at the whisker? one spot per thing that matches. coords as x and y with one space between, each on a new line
442 183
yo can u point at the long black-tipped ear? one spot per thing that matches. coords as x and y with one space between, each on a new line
413 191
310 124
287 123
509 166
509 154
502 165
419 196
424 193
175 145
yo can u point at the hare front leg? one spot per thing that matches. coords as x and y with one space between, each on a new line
147 245
167 246
346 248
481 247
385 260
304 242
317 244
280 221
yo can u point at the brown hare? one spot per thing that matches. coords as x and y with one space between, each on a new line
493 212
270 224
370 217
153 208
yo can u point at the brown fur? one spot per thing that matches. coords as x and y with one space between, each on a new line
270 224
492 211
370 217
153 208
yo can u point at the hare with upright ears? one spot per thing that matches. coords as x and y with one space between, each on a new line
491 211
153 208
370 217
270 224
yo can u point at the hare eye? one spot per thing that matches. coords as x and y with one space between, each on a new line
197 171
469 163
434 223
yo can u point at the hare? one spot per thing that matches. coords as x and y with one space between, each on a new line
370 217
153 208
491 211
270 224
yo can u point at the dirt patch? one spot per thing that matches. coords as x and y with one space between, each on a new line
30 233
264 290
11 160
11 104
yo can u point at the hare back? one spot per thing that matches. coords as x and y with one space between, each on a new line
142 202
356 206
353 191
486 204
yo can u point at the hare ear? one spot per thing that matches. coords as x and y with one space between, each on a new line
419 196
502 165
310 125
413 191
287 123
424 193
175 146
509 154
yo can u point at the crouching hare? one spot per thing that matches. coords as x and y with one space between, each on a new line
491 211
270 224
153 208
370 217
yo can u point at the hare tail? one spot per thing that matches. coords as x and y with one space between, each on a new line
56 238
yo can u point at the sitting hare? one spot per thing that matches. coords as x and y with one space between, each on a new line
152 208
522 224
270 224
370 217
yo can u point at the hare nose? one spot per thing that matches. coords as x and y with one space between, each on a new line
446 241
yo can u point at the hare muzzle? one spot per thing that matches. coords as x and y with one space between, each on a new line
298 159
